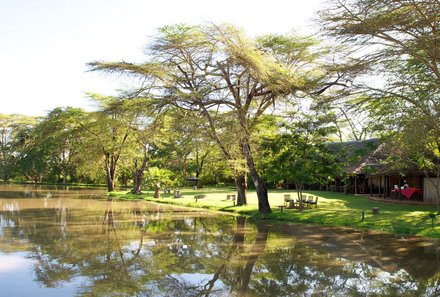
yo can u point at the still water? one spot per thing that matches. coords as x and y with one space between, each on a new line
73 242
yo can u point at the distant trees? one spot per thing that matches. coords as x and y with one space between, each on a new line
47 149
118 141
57 138
13 136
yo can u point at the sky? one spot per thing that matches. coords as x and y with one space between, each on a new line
45 44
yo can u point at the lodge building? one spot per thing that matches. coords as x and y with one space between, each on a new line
367 172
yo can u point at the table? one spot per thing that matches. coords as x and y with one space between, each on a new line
408 192
281 207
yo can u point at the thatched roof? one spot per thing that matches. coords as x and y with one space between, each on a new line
380 161
375 157
355 154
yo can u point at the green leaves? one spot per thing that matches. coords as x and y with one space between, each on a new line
145 70
299 154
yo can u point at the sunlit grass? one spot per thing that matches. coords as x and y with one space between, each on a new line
334 209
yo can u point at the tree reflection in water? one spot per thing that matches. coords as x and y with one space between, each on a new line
136 249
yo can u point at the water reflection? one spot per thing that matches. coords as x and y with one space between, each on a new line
15 191
90 247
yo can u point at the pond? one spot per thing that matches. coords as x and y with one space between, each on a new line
60 241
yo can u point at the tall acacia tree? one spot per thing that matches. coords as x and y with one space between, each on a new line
217 70
110 130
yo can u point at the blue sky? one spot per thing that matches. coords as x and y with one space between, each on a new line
45 44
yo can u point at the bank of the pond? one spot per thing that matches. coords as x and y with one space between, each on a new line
333 209
67 185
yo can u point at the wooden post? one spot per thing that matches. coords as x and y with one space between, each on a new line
400 195
355 185
387 187
370 179
380 185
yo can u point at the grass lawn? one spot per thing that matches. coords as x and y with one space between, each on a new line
334 209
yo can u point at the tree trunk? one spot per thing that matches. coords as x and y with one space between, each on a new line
138 174
156 190
64 167
184 167
260 186
110 170
241 183
299 188
110 181
437 189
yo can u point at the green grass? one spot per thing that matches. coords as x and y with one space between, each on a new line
334 209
